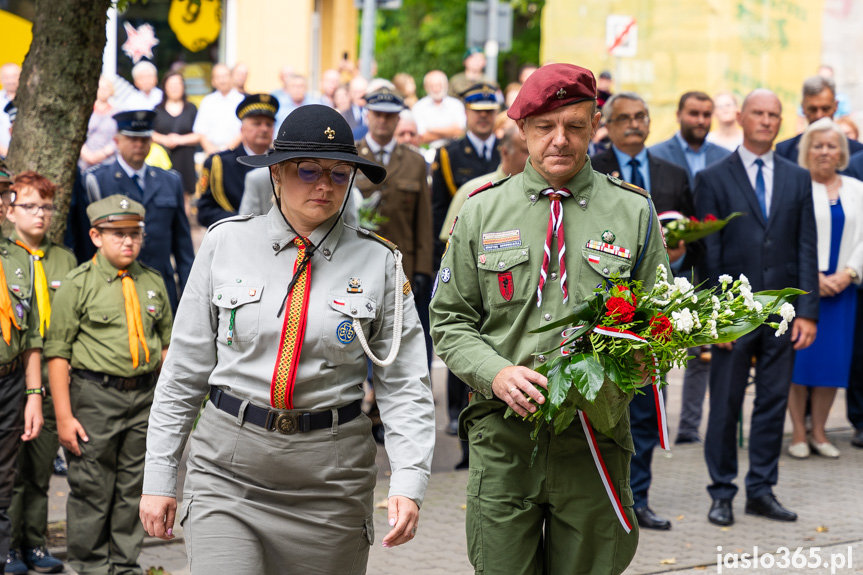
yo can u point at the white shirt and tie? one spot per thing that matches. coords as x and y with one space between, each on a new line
751 166
483 147
140 174
382 153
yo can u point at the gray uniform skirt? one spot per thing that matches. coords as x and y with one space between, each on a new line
257 501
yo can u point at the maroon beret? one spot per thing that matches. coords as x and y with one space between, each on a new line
553 86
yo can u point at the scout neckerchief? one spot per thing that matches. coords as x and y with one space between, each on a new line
7 317
293 333
40 286
133 317
555 227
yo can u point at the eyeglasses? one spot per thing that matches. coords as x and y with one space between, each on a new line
136 236
626 120
33 209
311 172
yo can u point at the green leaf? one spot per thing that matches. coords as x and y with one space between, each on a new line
565 416
558 386
587 375
575 335
581 312
673 237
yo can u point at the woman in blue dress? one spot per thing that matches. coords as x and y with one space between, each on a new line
824 367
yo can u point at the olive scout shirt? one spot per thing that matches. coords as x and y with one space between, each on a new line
16 269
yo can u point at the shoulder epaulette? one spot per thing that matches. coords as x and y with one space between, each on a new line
66 248
488 186
240 218
371 235
80 269
628 186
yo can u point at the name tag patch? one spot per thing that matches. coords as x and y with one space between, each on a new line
501 240
618 251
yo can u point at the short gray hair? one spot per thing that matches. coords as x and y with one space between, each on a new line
814 85
608 107
823 125
143 67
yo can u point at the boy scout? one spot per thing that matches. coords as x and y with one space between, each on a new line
506 272
20 418
112 324
31 213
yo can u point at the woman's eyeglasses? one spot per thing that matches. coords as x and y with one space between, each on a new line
311 172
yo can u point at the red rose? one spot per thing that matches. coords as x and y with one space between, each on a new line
623 292
620 310
660 328
693 219
709 218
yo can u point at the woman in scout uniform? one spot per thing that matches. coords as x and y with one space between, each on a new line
20 408
281 472
31 213
111 322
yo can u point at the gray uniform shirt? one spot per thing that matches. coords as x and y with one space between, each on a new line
245 264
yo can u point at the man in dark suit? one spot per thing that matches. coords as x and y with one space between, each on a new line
222 181
159 191
854 395
356 114
774 246
690 150
628 121
819 101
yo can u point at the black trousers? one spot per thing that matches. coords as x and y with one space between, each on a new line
11 428
729 374
854 394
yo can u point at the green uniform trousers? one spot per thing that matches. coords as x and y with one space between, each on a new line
553 518
104 534
29 509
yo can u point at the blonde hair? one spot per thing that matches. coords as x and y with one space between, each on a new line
823 125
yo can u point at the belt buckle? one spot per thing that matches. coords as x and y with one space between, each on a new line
287 423
128 384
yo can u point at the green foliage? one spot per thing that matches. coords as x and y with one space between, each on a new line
121 5
430 35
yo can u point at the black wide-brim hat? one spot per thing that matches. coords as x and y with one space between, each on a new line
316 131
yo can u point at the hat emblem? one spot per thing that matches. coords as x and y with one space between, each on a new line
265 98
330 133
561 94
124 205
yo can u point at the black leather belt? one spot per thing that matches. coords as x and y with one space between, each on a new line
283 422
10 367
119 383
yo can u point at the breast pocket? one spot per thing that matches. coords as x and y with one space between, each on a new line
598 266
104 316
153 315
506 276
338 333
239 311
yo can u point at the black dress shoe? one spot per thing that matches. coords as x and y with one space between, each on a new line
767 506
60 467
650 520
857 440
686 438
721 513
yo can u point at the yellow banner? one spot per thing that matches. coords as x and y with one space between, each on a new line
663 48
17 35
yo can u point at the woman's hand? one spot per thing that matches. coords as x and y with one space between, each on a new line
157 514
404 515
825 286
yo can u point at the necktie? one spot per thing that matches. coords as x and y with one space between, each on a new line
379 157
7 317
293 333
485 152
635 178
137 179
760 188
555 227
133 318
40 286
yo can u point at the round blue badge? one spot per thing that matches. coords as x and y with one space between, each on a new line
345 332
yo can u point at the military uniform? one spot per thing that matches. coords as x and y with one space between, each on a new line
221 185
111 399
29 509
483 310
16 272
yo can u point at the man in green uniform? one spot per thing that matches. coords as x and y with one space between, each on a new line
31 213
506 272
112 323
20 406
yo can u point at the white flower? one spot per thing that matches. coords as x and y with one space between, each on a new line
744 281
758 306
787 312
728 312
714 315
725 279
694 298
711 325
661 272
783 327
697 321
715 300
683 320
682 285
729 296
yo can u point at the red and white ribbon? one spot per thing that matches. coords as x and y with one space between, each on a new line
603 472
555 228
672 215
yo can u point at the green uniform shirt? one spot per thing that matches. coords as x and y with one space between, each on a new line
485 299
88 319
16 269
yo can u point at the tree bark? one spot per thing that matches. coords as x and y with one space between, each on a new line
55 97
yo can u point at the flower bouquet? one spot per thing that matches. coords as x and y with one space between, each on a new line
612 337
678 227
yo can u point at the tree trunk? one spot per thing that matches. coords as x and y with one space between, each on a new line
56 94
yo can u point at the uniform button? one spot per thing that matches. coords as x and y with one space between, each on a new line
547 317
239 281
524 252
353 312
104 318
219 296
500 265
276 247
233 301
533 198
541 358
605 271
553 276
582 203
327 252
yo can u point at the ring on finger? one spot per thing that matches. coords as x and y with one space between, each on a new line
513 388
414 531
